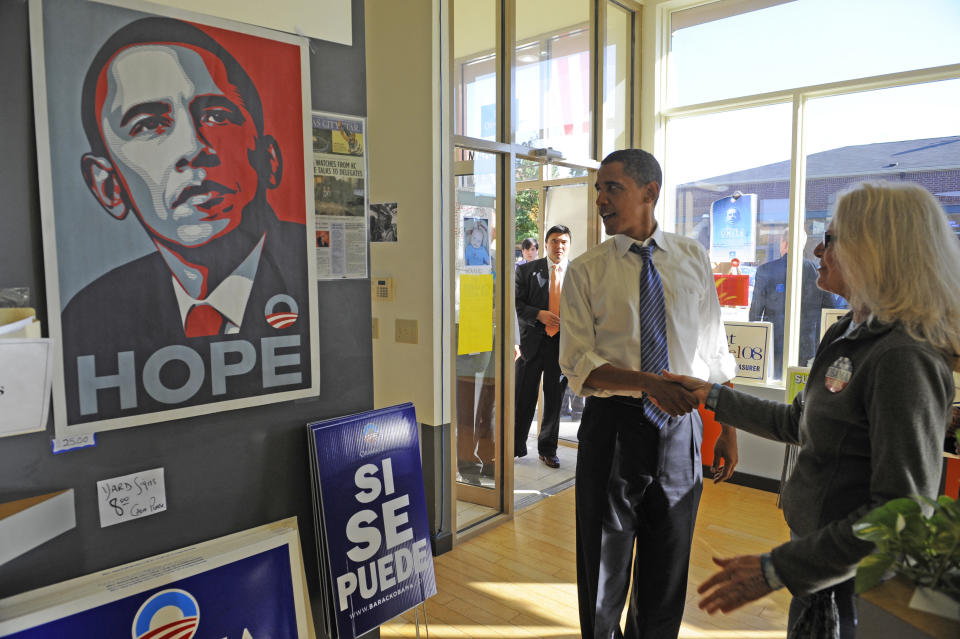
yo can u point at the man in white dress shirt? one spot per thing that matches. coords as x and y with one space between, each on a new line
639 475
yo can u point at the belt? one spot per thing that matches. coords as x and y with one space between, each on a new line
626 400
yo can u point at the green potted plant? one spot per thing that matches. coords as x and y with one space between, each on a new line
923 549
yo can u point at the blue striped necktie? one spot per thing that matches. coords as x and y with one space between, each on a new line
654 356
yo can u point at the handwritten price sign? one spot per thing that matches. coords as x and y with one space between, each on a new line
131 497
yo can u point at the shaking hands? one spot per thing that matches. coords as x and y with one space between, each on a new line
677 394
680 394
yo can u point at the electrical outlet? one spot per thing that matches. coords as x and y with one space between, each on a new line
408 332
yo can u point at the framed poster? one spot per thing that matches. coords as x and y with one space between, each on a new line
177 213
248 584
373 533
733 224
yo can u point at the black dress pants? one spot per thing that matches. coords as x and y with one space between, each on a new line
528 370
634 484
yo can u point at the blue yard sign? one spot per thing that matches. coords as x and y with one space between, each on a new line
369 489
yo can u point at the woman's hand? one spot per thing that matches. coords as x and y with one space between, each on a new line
740 581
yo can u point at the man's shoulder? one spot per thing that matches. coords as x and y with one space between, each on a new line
534 265
114 303
771 267
112 284
600 252
684 244
287 243
287 230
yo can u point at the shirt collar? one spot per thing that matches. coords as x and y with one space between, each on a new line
231 296
870 327
624 242
562 263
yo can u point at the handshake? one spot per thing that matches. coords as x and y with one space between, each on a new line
680 394
676 394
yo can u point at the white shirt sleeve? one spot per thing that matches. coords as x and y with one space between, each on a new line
712 345
578 355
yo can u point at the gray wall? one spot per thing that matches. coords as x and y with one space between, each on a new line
224 472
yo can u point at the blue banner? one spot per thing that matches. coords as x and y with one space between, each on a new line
249 598
374 515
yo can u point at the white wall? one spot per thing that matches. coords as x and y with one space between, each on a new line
403 132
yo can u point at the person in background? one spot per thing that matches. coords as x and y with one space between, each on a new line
538 292
528 251
871 421
769 301
640 302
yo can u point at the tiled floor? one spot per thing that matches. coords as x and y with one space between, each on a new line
533 480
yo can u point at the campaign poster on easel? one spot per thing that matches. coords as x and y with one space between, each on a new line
371 517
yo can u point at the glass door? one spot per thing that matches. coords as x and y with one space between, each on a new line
478 431
549 194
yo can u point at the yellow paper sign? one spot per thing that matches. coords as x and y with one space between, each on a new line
476 314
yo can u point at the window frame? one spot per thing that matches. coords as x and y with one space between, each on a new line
798 98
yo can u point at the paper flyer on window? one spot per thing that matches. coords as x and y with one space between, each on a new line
340 193
733 228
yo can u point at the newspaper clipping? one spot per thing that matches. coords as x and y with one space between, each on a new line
340 191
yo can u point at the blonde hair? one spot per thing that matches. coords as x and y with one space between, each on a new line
901 260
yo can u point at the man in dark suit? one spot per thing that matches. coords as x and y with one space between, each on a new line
769 303
221 309
538 310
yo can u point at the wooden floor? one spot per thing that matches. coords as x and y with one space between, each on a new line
519 579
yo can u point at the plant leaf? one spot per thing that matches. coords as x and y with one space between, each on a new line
871 570
901 523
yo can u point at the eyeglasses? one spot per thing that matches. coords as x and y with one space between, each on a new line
828 238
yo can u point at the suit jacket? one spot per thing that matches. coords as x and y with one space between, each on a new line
532 296
769 304
133 308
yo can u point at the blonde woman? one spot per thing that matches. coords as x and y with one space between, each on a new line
871 421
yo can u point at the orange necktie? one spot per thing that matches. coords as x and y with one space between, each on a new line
554 303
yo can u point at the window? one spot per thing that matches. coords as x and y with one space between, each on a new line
727 49
618 79
552 76
475 68
730 159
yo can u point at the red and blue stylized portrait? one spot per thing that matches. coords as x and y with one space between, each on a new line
182 233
